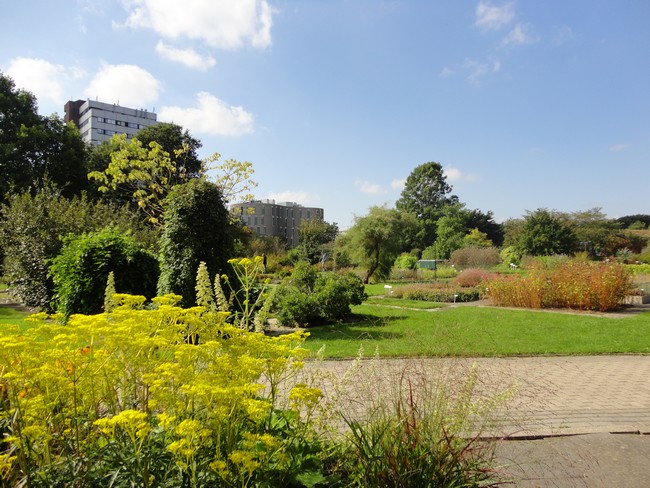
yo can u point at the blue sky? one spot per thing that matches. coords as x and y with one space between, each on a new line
526 104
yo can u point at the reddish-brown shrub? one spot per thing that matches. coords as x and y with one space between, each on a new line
473 276
573 284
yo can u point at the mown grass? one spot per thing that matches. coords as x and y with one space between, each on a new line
13 316
479 332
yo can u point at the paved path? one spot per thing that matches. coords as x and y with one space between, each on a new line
572 421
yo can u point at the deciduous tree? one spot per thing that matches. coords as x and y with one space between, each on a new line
375 240
426 193
544 234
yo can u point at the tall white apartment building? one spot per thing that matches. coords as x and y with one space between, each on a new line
98 121
267 218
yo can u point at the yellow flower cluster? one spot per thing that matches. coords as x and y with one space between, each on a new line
130 381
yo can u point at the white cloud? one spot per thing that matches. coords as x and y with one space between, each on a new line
301 197
477 70
126 84
398 184
489 17
619 147
454 175
45 80
212 116
369 188
446 72
223 24
188 57
518 36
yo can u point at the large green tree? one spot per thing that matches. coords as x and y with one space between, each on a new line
197 228
35 150
138 175
314 236
375 240
544 233
425 195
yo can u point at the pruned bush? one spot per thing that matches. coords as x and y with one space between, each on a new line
472 277
474 257
573 284
436 292
81 271
310 297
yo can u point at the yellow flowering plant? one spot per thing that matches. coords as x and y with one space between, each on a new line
151 396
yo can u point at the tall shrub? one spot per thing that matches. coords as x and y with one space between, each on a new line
197 228
31 227
80 273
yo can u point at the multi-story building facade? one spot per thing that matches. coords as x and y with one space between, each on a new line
269 219
98 121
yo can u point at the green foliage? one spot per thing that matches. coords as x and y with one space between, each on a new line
375 241
31 227
473 257
197 228
426 193
138 174
313 239
544 234
510 255
179 144
573 284
80 272
309 297
450 231
36 151
233 178
406 261
477 238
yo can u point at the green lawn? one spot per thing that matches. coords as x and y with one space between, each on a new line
9 315
479 331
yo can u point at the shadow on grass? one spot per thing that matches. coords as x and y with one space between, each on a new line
357 327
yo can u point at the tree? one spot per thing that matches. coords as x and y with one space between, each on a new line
425 195
232 177
545 234
375 241
35 150
313 236
484 222
197 228
140 175
476 238
451 231
179 144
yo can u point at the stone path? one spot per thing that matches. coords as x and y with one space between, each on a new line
573 421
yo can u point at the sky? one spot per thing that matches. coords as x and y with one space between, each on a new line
525 104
